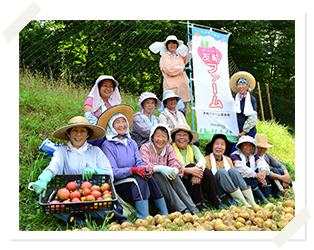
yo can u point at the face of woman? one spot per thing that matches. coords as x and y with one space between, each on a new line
120 125
172 103
219 148
261 151
149 106
172 46
242 88
182 139
160 139
106 89
78 136
247 148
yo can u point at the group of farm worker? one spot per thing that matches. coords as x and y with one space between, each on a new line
157 159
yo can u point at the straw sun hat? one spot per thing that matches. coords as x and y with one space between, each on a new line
79 121
242 74
262 142
186 128
124 109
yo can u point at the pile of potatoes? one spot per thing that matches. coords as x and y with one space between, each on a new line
269 218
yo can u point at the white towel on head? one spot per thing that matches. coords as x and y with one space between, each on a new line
248 108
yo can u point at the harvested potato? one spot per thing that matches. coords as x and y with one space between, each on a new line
231 228
262 214
288 210
219 226
232 208
114 227
150 220
178 221
288 217
187 217
258 220
248 223
256 208
208 226
141 223
267 224
174 215
126 224
283 223
290 203
141 228
238 224
159 219
245 215
240 219
229 222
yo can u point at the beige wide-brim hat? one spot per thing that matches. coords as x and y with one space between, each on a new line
186 128
262 142
242 74
79 121
124 109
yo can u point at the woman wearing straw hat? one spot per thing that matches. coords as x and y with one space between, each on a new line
145 119
174 57
197 178
228 178
125 160
160 158
279 175
104 94
243 83
254 171
78 157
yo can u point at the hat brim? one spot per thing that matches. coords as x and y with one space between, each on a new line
124 109
194 134
265 145
98 132
242 74
158 102
209 146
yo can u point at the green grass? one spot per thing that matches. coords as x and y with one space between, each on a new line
46 104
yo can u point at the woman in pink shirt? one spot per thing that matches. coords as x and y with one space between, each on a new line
160 158
104 94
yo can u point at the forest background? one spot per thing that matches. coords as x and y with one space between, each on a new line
79 51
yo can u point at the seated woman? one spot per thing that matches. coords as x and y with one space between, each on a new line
253 170
78 157
104 94
160 158
170 113
145 119
126 161
279 175
228 179
197 178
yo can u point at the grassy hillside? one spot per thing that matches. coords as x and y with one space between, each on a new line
45 105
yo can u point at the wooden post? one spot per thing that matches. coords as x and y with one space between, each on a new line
269 102
260 101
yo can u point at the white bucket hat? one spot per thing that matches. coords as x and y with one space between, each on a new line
247 138
148 95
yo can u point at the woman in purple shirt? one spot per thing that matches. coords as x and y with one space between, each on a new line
124 157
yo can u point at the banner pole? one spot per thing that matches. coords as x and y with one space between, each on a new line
192 110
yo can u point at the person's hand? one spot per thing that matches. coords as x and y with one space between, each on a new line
43 180
87 173
241 134
195 180
285 184
141 171
148 174
264 183
168 172
286 178
197 171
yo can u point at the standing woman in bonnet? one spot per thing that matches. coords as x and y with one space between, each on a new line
104 94
243 83
174 57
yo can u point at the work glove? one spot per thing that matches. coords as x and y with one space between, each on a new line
148 174
141 171
168 172
43 179
88 172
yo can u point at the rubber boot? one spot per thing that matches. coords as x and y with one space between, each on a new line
248 195
142 209
258 194
266 191
238 197
161 206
